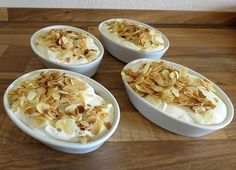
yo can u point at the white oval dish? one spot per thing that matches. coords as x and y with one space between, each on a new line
127 54
64 146
172 124
88 69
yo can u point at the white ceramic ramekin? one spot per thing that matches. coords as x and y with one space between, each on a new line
126 54
159 117
62 145
88 69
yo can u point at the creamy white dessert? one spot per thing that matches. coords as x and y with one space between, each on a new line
175 92
67 46
134 36
62 107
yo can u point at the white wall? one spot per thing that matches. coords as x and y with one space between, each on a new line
196 5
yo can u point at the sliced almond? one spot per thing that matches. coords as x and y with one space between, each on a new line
145 68
56 96
70 108
175 91
64 40
40 121
97 127
166 74
183 72
108 125
31 95
84 123
68 128
42 107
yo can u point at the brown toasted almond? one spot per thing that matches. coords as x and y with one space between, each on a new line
108 125
42 107
31 95
97 127
40 120
175 91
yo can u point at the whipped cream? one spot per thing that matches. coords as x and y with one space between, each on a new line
185 113
114 37
73 48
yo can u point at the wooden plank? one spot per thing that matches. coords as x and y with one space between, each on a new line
3 14
2 49
98 15
164 155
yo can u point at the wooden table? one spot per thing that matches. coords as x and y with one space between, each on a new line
137 143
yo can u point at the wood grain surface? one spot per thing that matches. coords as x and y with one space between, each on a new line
137 143
148 16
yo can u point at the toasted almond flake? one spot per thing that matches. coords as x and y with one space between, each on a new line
60 123
143 89
175 91
68 128
40 121
30 110
103 116
145 68
183 72
199 109
42 107
177 74
15 105
84 123
97 127
56 96
92 120
172 75
31 95
52 115
139 80
157 88
127 78
63 92
166 74
108 125
70 108
64 100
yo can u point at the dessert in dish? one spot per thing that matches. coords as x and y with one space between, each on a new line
175 92
60 106
133 35
67 47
